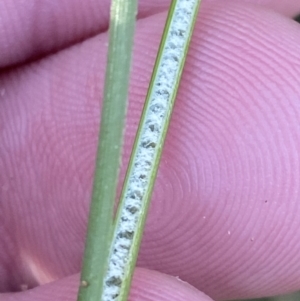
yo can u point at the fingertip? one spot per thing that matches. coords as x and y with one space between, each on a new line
232 144
60 290
150 285
147 286
29 32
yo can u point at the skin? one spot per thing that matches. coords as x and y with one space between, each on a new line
225 209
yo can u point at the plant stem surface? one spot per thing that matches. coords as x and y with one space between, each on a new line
147 149
100 226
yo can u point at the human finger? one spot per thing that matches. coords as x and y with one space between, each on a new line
28 32
223 215
287 8
147 285
235 161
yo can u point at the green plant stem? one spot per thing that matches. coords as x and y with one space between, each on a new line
100 226
147 149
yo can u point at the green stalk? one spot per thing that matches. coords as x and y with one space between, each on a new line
147 149
100 226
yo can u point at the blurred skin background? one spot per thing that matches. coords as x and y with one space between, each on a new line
290 297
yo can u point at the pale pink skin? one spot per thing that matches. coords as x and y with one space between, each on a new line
225 215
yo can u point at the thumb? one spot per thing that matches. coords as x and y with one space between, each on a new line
147 285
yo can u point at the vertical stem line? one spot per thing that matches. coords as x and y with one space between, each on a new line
100 226
147 149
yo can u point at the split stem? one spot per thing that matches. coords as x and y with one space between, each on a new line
147 149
